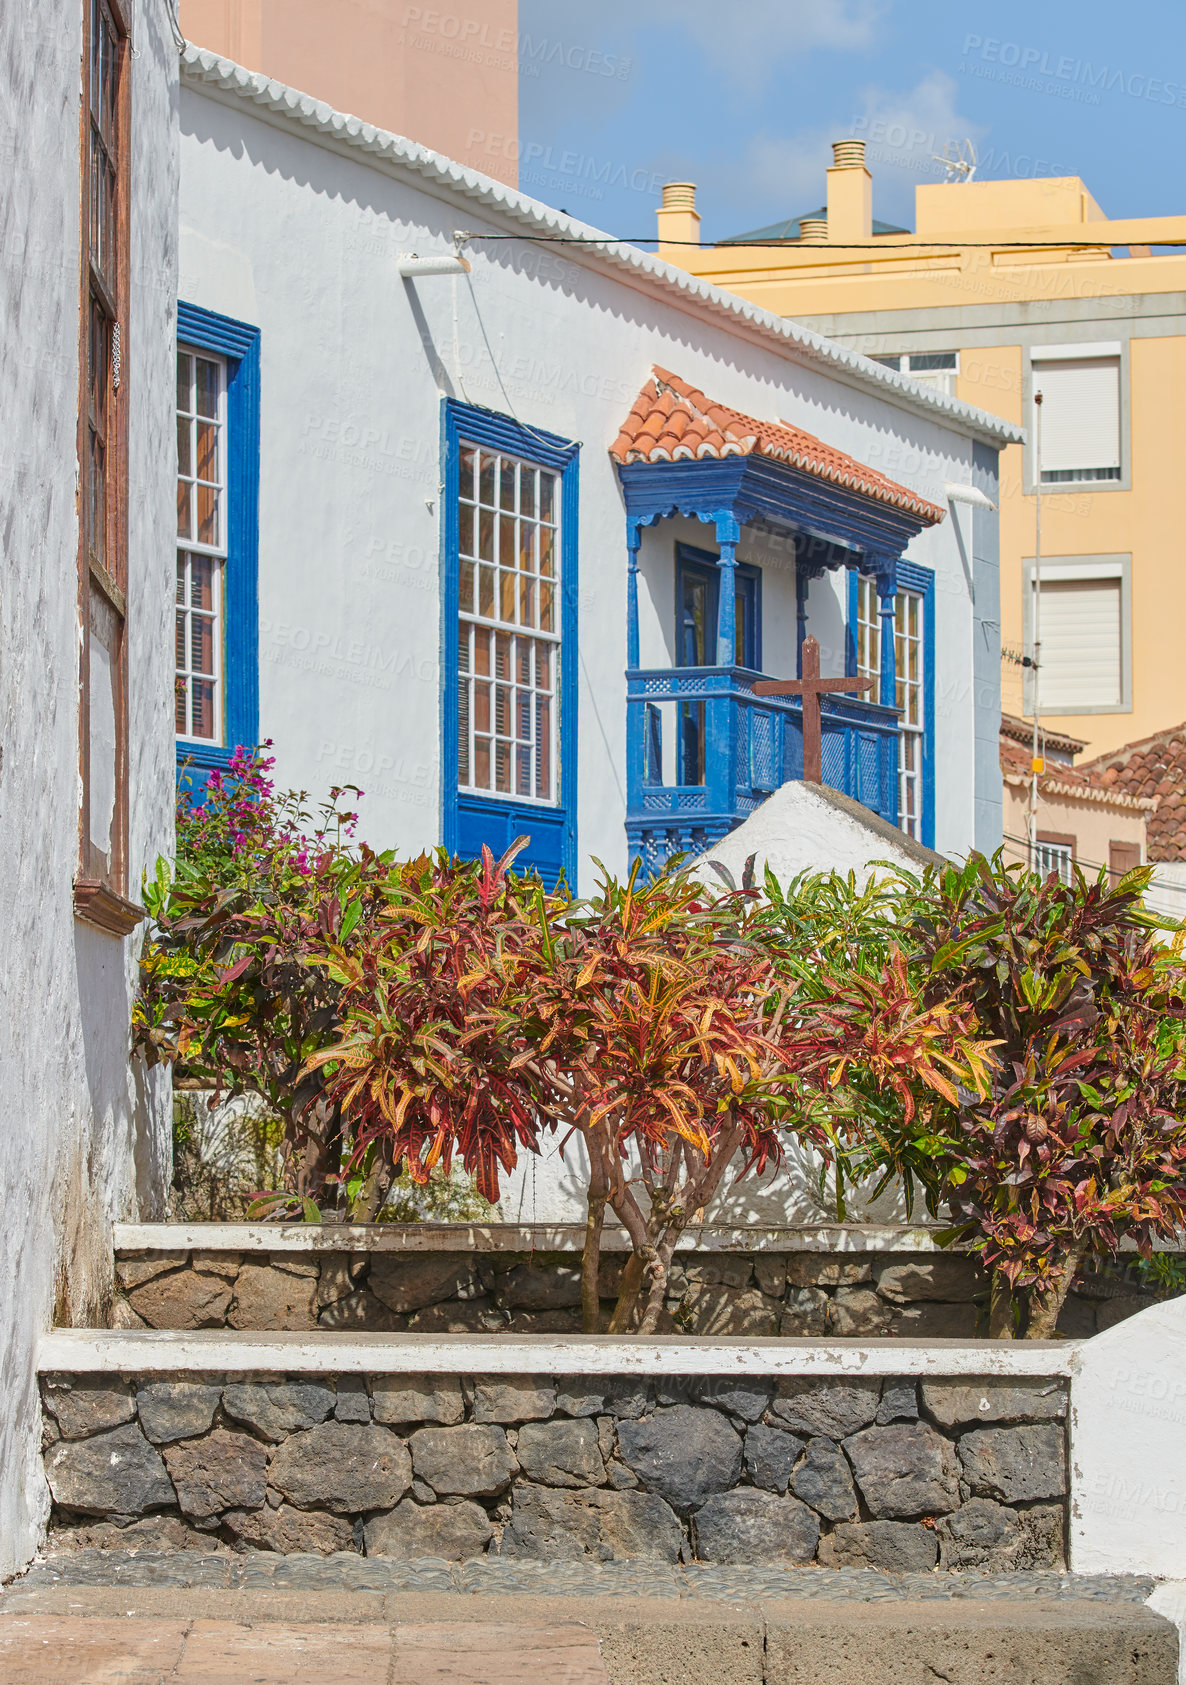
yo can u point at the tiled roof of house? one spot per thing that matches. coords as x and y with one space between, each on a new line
1012 725
672 421
1154 768
1072 783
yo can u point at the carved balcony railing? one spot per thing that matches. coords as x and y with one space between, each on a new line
703 752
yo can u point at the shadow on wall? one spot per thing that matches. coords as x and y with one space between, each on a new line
116 1158
550 1188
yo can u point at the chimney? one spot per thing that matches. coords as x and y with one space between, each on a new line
850 195
813 230
679 222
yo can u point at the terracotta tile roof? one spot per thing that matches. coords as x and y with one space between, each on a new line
1073 783
1153 768
1012 725
673 422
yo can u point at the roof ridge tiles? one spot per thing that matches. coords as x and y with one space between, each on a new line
725 431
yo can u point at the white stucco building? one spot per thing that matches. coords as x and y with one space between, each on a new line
508 545
87 322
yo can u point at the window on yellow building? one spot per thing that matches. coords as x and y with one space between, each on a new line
930 368
1080 422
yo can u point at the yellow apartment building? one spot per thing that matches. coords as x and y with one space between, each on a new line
1004 289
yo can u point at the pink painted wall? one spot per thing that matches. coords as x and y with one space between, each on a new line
446 76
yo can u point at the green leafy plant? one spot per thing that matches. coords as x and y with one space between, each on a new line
228 991
481 1009
1078 1142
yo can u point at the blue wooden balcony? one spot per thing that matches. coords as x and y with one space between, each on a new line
703 752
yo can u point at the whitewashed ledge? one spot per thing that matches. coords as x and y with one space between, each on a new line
510 1237
133 1351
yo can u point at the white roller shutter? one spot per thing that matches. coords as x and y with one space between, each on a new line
1079 664
1080 412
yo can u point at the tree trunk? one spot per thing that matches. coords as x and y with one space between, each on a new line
1046 1304
369 1200
1000 1308
591 1264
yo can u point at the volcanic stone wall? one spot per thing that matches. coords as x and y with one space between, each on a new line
893 1474
925 1296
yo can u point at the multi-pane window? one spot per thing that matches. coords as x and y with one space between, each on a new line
909 699
508 652
930 368
201 544
1054 856
868 630
908 667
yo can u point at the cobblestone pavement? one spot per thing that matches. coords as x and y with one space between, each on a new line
346 1572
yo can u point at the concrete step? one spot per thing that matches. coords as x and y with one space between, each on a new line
652 1624
140 1650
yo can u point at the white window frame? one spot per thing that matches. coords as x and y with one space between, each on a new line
911 719
1054 857
1059 569
867 632
188 548
911 701
525 636
1038 357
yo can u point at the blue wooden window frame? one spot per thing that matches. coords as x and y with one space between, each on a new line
467 819
920 580
239 344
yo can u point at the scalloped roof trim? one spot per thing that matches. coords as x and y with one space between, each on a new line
206 70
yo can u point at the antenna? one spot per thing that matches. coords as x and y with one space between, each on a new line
958 159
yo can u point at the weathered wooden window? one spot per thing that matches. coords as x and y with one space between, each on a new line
101 882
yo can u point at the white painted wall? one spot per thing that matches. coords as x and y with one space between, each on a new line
1128 1427
299 234
85 1138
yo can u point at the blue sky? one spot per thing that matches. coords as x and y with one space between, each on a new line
744 97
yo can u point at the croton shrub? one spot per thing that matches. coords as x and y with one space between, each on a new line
1008 1050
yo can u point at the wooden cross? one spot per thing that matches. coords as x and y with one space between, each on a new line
810 687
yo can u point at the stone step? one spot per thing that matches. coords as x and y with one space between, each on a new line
250 1617
72 1650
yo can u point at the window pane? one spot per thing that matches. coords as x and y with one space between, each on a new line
465 529
201 644
184 459
201 586
507 487
507 711
202 699
208 532
547 496
184 510
206 387
184 376
467 472
208 452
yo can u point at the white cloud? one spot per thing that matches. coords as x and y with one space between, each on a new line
901 131
752 33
